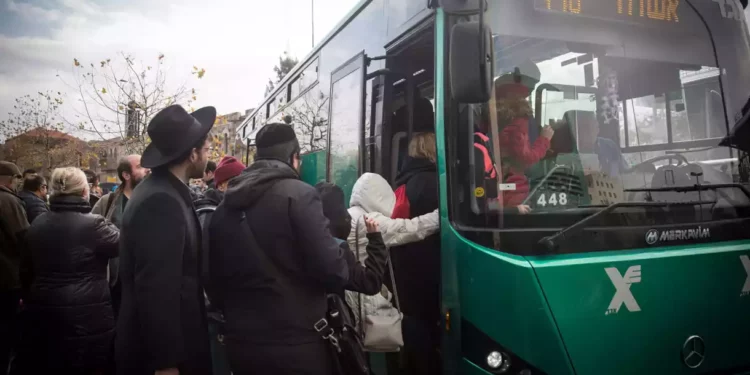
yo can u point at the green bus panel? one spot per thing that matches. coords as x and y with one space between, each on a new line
313 167
500 295
631 312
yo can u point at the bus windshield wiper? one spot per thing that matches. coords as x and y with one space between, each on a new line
696 187
552 242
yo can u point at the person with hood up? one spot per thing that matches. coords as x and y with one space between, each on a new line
372 198
272 261
69 324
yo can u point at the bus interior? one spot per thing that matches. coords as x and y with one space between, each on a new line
413 57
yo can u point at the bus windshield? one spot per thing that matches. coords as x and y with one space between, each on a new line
636 94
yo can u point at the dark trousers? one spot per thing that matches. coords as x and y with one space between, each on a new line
9 304
421 354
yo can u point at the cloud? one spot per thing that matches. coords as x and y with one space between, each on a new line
237 43
32 12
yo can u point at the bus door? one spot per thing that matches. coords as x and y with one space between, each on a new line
346 132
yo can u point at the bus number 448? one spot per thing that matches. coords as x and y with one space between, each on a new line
553 199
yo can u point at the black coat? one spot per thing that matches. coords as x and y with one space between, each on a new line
69 322
162 320
417 265
35 206
272 296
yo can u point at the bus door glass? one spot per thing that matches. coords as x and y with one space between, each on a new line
346 125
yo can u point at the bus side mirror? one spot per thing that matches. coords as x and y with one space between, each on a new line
470 70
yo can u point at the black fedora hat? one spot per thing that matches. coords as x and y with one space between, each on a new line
173 132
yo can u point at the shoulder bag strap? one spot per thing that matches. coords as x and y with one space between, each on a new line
393 281
361 308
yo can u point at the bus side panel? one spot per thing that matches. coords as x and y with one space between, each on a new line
501 298
314 167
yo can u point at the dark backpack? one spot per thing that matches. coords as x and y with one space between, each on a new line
205 213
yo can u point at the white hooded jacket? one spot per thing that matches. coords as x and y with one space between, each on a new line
373 197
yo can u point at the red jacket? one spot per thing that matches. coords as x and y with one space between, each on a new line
517 156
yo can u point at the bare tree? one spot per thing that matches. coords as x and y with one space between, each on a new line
118 98
35 137
308 115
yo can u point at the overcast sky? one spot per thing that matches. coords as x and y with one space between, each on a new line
237 42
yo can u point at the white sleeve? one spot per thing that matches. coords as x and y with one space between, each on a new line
352 239
403 231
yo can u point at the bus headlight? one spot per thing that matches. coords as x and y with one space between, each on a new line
494 360
498 362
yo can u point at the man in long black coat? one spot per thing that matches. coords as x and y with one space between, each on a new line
162 325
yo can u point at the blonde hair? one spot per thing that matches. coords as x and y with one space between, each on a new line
68 181
423 146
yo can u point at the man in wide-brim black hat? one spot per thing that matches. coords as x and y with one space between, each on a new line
161 326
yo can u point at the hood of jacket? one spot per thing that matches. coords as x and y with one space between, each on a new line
372 193
212 197
413 166
247 188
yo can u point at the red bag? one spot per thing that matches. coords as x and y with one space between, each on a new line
401 210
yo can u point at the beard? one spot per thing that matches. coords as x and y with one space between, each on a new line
135 181
198 169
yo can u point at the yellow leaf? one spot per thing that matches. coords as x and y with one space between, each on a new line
76 63
104 91
201 73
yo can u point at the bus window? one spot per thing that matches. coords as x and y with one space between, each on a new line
635 103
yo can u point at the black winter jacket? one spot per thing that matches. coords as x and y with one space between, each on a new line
417 265
35 206
273 295
67 302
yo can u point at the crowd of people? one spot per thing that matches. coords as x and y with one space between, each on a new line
233 274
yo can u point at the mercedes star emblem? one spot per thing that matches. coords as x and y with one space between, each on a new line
693 351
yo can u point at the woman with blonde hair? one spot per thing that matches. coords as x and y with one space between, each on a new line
417 265
70 324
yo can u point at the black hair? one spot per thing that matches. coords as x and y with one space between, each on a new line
186 155
210 166
29 171
91 176
123 165
334 209
34 183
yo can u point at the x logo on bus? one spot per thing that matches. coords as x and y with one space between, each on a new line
622 284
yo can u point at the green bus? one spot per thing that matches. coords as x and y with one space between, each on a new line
639 269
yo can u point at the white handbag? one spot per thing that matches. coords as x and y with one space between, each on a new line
381 328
